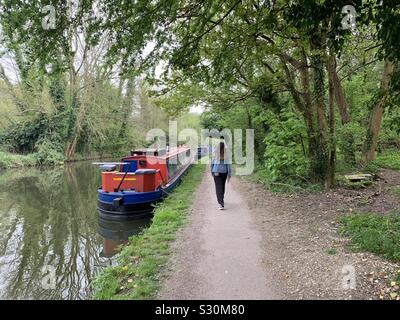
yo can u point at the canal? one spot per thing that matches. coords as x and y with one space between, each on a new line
52 242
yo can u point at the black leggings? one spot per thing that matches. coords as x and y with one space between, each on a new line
220 181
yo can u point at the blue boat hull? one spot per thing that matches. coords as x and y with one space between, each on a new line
117 205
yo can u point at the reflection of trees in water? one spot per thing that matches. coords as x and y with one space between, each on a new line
117 232
55 224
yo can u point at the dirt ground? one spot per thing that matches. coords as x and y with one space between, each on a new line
278 246
310 257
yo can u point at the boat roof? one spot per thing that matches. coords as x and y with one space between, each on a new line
150 151
160 153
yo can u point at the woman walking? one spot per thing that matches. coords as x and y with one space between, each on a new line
221 171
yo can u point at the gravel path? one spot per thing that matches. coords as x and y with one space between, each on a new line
218 255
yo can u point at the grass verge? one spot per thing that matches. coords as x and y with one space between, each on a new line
389 159
47 158
379 234
395 190
137 273
9 160
293 184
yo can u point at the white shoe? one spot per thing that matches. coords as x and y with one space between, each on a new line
221 208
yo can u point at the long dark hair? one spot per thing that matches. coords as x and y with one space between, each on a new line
219 152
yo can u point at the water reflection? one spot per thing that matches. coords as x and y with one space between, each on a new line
117 232
49 218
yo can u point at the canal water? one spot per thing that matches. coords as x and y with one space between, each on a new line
52 242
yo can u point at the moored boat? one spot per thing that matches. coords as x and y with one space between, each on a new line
141 180
202 151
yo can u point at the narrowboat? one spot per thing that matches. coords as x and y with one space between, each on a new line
134 185
202 151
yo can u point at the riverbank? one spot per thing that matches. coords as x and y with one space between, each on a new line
140 263
12 161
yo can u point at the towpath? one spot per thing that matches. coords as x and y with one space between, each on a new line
218 255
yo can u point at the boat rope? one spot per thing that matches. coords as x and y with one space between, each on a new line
123 178
166 192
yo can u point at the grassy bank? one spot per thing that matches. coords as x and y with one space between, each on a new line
292 184
9 160
46 159
140 263
379 234
389 159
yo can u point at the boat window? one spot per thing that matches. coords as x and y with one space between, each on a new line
175 163
142 163
172 166
132 166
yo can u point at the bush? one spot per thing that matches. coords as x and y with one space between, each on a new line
349 137
389 159
390 131
285 157
48 153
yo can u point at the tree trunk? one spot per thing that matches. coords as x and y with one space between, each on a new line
349 146
127 106
312 107
73 130
371 142
321 164
331 123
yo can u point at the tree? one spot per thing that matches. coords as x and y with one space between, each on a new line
387 19
374 127
222 54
